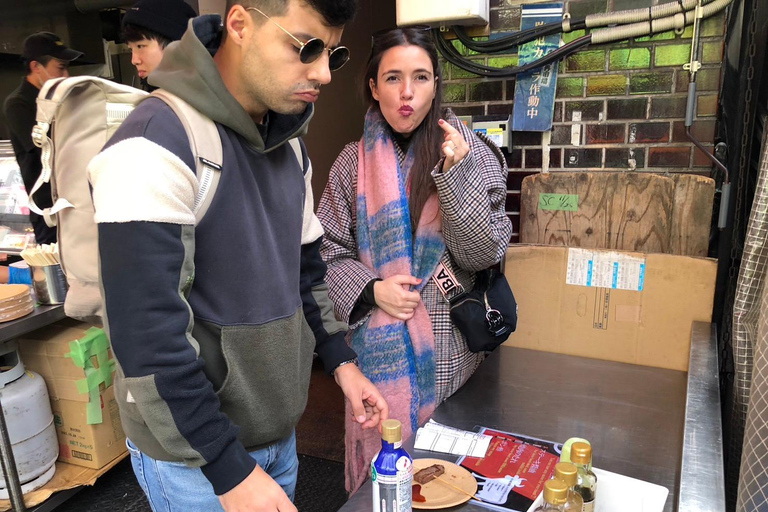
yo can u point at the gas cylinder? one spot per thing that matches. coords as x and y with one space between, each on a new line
28 416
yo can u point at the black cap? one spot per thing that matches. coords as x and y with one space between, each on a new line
46 43
165 17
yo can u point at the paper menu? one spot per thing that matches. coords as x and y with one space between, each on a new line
512 474
436 437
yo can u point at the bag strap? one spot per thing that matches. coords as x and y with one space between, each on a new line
446 282
205 142
296 147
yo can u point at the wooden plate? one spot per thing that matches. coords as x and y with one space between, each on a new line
13 291
440 495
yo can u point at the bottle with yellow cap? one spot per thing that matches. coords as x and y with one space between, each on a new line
581 457
392 471
555 496
567 473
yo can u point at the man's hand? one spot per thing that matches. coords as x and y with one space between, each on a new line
368 406
257 493
393 295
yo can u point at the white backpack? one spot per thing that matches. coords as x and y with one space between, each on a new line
75 119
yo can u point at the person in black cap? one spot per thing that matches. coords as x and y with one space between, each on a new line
45 57
149 26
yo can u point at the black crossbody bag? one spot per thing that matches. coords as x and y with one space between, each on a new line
487 314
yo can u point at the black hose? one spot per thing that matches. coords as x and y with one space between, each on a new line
452 55
507 42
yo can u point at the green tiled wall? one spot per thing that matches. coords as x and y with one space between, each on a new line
629 97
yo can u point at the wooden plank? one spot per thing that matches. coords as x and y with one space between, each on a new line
692 214
622 211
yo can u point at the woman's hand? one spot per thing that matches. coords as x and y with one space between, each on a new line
393 295
455 148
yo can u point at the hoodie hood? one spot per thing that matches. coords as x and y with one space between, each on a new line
188 71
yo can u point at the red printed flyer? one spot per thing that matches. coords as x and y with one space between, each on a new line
512 474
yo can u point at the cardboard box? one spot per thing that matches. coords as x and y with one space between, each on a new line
91 446
618 306
79 380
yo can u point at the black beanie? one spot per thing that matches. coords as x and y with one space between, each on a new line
165 17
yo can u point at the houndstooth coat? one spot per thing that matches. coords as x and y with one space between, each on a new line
475 228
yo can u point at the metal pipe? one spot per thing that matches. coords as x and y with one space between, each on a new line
725 198
98 5
708 153
12 482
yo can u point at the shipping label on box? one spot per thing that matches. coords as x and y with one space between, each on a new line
618 306
605 269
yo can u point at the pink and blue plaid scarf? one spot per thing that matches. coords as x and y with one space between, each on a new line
398 357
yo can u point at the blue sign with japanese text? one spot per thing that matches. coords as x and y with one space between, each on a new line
535 90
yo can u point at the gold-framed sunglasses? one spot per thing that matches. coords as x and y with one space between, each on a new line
314 48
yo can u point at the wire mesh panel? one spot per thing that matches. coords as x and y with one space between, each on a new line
750 344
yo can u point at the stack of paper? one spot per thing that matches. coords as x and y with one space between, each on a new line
435 437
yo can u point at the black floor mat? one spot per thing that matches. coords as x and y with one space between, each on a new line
320 488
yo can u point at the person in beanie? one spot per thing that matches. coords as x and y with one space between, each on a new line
45 57
149 26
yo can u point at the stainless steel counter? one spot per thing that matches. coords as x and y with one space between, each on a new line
633 415
702 487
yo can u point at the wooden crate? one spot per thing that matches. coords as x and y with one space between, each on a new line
634 211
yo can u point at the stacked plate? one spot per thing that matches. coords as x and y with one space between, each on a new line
15 301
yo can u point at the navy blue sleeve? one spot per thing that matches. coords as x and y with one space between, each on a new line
331 345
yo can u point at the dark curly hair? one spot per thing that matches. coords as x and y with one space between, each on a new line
336 13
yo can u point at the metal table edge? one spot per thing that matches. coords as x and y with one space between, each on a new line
42 316
702 474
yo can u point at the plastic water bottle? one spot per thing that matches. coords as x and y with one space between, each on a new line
392 471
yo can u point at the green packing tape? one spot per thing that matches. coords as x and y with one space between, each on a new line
94 343
93 414
99 341
106 367
93 379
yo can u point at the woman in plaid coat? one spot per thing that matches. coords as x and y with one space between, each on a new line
418 193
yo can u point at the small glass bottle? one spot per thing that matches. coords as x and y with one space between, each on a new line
555 496
392 471
567 473
581 456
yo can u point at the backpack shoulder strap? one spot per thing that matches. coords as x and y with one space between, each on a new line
296 147
311 229
205 142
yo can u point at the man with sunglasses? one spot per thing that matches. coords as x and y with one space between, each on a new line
214 325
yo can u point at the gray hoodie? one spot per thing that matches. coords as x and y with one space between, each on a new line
213 326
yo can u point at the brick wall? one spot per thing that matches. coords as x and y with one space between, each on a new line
630 98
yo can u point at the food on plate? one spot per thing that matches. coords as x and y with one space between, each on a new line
428 474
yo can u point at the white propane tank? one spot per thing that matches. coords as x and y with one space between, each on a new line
29 419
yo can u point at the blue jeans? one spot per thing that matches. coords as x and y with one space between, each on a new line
175 487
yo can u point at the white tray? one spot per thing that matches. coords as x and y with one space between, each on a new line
618 492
